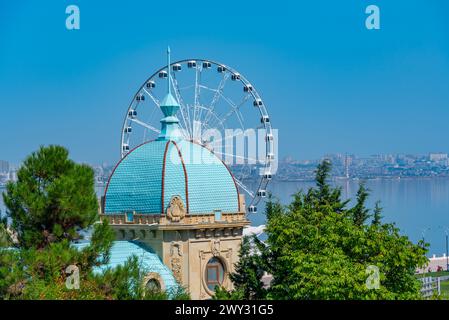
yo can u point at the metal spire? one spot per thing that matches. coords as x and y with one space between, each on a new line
169 106
168 72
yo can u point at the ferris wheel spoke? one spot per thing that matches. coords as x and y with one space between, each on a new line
182 108
239 117
146 125
205 126
227 137
196 103
219 90
155 100
210 108
234 109
217 94
237 110
246 189
215 98
186 87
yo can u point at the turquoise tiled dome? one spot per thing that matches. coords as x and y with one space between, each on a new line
147 178
148 261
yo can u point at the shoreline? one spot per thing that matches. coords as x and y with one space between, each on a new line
337 179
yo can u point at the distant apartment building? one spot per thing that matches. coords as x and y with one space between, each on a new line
4 166
12 175
438 157
436 263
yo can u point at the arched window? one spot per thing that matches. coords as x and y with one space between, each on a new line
153 285
214 273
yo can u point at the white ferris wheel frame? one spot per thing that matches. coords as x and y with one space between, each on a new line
187 111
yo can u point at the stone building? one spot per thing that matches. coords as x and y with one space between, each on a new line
175 205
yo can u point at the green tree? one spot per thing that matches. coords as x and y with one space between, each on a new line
5 237
249 270
222 293
377 214
324 194
359 212
317 248
50 204
53 198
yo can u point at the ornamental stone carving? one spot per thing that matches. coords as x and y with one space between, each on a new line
176 260
176 210
176 268
176 249
215 247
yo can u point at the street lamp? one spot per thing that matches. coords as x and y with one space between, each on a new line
423 232
446 232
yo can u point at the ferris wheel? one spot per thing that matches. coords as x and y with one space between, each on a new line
212 96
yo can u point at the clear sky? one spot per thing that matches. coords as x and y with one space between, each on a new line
330 84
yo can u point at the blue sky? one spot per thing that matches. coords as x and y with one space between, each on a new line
330 84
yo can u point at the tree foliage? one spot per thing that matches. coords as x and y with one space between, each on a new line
53 198
5 236
377 214
360 213
317 248
248 270
52 204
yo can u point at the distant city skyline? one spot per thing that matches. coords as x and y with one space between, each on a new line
346 166
330 85
5 162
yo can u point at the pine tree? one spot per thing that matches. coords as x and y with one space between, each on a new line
324 195
247 278
5 237
359 212
377 215
50 204
53 199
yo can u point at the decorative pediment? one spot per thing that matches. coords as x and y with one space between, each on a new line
176 210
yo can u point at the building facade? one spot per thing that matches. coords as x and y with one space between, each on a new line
178 202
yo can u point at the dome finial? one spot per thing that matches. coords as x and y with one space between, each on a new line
169 106
168 71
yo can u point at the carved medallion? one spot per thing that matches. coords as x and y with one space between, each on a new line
215 247
176 210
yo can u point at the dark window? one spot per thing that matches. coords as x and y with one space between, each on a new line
214 273
153 285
